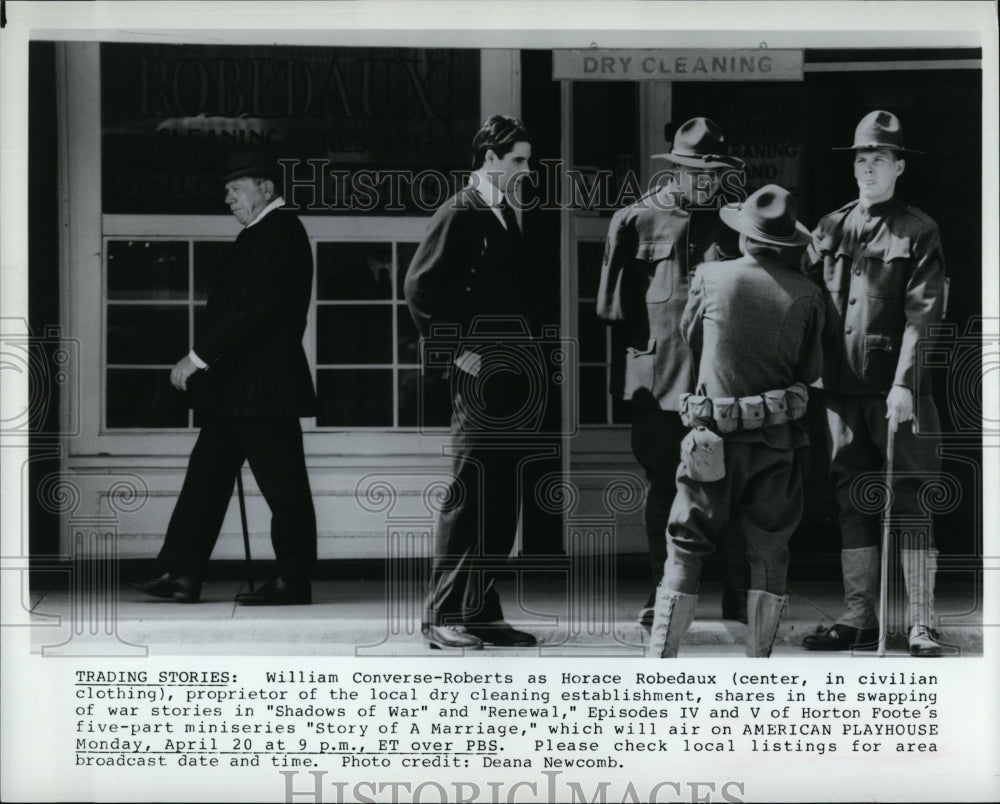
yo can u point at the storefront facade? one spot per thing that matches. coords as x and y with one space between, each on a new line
132 223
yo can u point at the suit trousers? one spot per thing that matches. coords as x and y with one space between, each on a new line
656 444
272 445
859 435
762 491
478 521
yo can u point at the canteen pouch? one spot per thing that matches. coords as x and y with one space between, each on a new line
777 407
703 456
639 369
695 410
796 400
727 414
752 412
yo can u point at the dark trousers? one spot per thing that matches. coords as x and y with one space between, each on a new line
478 521
859 435
656 444
272 445
762 491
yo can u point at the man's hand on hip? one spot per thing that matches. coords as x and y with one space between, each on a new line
180 373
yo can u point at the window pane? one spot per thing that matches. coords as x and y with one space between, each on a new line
354 398
209 257
147 334
605 145
589 258
142 269
593 395
354 271
432 392
407 339
354 334
621 411
144 398
592 334
404 256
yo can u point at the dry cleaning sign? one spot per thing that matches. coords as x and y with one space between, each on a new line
677 65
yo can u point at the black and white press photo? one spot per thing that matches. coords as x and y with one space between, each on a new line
645 352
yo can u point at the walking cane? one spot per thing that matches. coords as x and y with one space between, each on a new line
246 531
886 515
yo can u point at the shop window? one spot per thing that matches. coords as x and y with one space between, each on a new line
148 327
366 347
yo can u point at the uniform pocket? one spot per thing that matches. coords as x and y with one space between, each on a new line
885 273
639 369
880 358
659 254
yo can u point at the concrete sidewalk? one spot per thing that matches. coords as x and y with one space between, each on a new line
356 617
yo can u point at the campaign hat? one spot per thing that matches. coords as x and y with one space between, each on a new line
768 216
879 129
700 143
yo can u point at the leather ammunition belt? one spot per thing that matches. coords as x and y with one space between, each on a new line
729 414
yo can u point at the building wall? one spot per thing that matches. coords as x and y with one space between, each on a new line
117 205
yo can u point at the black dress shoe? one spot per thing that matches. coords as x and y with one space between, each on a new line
502 635
179 588
734 605
278 592
841 637
451 637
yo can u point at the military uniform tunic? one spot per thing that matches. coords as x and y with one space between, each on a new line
882 269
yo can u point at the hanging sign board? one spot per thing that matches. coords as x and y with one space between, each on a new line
727 64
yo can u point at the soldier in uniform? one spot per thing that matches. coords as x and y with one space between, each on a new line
653 247
881 264
754 327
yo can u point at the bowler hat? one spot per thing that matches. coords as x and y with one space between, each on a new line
699 143
768 216
879 129
253 163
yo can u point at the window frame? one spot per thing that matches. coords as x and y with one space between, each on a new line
97 437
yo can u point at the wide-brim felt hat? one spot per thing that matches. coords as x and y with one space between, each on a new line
879 129
251 163
699 143
768 216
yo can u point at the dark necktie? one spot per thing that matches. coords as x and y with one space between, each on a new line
509 219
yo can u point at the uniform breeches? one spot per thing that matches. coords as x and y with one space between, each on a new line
656 444
762 492
858 441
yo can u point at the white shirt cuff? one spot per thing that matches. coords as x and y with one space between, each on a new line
197 360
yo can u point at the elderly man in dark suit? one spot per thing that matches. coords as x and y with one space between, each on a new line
472 265
248 379
754 326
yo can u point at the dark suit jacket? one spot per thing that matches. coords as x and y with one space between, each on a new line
251 334
467 265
